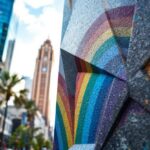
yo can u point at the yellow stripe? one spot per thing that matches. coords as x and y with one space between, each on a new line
79 99
121 31
100 40
65 120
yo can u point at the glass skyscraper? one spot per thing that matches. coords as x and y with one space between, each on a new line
10 41
5 15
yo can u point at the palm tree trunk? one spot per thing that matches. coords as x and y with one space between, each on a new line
3 127
31 122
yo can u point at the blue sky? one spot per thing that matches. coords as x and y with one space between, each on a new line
38 20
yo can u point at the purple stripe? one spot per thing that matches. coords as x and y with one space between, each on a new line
111 109
120 12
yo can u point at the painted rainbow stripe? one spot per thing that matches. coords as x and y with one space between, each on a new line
90 96
107 40
64 128
80 93
116 22
83 66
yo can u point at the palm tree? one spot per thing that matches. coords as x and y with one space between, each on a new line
39 142
22 137
7 84
20 98
17 138
31 111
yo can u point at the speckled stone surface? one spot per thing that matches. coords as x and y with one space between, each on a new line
70 70
83 15
139 54
139 87
110 113
66 16
103 81
139 51
82 19
134 131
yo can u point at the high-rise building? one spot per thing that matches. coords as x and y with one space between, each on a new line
5 15
10 50
28 85
10 41
41 80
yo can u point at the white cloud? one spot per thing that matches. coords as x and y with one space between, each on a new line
38 3
23 13
48 23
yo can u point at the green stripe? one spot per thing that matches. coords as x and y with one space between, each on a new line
59 116
103 48
83 109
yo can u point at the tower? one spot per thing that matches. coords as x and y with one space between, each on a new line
41 79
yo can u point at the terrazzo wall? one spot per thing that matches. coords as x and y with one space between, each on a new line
104 84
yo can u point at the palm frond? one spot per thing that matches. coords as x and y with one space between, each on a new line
24 91
4 78
14 79
31 109
5 75
21 98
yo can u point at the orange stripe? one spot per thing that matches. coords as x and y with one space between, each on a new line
78 86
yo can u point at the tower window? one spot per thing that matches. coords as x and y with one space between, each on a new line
46 49
44 69
45 58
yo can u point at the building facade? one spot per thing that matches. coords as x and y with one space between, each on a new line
10 49
104 83
8 125
28 85
5 15
10 40
41 80
13 120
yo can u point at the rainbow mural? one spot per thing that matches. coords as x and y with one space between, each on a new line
95 93
64 125
94 101
106 42
89 101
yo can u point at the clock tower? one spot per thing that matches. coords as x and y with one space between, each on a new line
41 79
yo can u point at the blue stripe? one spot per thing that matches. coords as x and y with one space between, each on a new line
55 146
91 106
98 107
59 133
